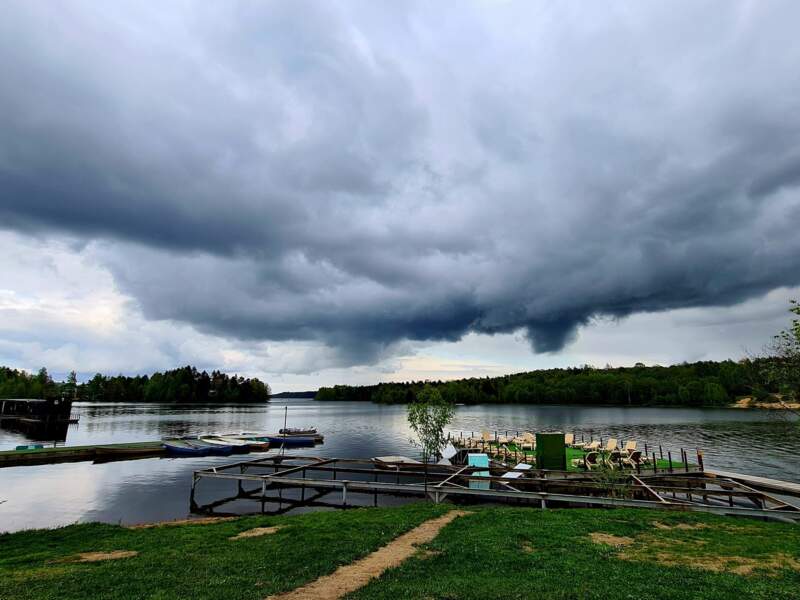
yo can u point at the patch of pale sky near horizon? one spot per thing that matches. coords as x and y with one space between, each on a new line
59 307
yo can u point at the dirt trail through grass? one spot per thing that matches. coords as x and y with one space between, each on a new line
351 577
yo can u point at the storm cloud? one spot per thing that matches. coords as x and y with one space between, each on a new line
362 173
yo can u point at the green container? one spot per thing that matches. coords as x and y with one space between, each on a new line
551 451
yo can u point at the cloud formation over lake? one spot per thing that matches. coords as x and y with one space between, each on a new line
361 174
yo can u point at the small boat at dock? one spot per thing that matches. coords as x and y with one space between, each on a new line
289 441
255 445
401 463
184 448
222 442
217 448
274 437
298 431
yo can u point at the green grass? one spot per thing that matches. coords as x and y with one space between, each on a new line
514 553
495 552
576 453
197 561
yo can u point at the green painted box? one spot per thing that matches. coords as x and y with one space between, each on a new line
551 451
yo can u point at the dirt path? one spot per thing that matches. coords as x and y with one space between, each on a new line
350 577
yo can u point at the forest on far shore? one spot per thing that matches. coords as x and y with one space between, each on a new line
705 383
183 385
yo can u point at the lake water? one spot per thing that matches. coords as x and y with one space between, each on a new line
757 442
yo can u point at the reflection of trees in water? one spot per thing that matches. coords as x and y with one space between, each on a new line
157 421
54 431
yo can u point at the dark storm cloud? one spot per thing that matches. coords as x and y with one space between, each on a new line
360 174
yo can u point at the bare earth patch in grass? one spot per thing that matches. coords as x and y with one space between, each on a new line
255 532
200 521
528 548
740 565
349 578
86 557
680 526
679 553
610 540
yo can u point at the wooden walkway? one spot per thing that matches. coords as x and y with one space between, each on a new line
760 483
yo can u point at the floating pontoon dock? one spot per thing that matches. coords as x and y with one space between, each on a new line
694 490
59 454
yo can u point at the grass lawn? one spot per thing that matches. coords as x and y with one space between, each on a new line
662 464
495 552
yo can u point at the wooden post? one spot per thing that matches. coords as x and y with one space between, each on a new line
685 460
661 451
191 495
655 466
700 459
669 454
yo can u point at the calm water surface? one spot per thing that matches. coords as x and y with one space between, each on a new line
756 442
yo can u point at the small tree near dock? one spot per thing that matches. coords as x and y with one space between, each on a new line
428 415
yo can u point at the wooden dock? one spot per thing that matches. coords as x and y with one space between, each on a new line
61 454
693 491
784 488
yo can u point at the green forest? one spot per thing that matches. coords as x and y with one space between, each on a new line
183 385
704 383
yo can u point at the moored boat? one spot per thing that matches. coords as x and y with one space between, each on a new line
289 440
221 441
256 445
298 431
212 448
402 463
184 448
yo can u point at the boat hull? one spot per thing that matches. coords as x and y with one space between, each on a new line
184 449
290 441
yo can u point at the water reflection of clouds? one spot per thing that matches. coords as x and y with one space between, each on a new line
35 495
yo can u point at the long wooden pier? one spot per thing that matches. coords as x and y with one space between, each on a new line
693 491
61 454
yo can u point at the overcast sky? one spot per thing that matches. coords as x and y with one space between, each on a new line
325 192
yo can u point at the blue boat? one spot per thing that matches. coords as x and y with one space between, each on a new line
289 441
184 448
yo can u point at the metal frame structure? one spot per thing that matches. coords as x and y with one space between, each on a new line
682 491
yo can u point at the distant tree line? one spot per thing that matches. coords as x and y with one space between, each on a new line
183 385
294 395
704 383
